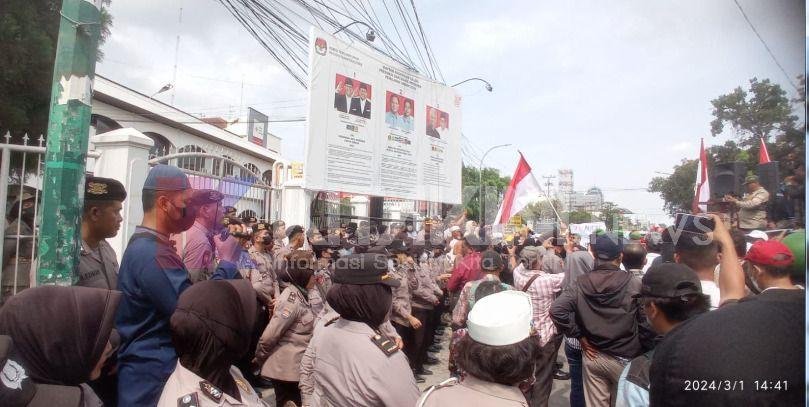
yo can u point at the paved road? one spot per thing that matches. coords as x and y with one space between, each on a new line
559 394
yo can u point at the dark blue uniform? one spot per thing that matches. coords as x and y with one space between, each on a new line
151 277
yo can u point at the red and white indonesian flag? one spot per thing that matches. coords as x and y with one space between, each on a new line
522 190
702 191
763 154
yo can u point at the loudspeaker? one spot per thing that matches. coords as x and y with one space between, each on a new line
768 177
728 179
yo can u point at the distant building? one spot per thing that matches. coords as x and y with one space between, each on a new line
572 200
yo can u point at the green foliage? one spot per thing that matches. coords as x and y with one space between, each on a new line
28 36
541 210
578 217
494 186
611 215
759 112
677 190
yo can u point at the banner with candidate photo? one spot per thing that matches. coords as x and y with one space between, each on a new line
377 128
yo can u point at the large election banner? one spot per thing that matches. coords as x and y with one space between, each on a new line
377 128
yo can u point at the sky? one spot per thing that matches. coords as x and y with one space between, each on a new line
613 90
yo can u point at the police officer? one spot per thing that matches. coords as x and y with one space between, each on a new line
151 278
296 238
349 361
259 251
195 246
100 220
405 322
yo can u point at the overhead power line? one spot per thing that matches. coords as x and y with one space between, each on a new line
767 47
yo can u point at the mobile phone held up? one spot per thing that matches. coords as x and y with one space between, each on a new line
694 223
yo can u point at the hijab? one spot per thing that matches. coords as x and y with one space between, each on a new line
368 303
60 333
212 327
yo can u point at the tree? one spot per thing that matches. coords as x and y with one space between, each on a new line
757 113
541 210
611 215
493 188
677 190
28 35
578 217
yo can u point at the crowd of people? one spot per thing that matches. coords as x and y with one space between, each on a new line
206 307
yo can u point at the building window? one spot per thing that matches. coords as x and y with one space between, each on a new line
228 166
192 163
162 146
267 177
247 175
247 213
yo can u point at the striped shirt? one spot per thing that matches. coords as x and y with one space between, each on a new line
542 291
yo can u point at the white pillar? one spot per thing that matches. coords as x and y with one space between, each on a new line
360 205
295 204
124 157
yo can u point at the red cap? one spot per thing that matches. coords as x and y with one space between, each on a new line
769 253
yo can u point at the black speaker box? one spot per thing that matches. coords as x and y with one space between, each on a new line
728 179
768 176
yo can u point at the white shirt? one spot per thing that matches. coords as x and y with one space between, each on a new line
710 289
650 257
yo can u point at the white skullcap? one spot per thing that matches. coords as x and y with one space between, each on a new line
758 234
455 228
501 319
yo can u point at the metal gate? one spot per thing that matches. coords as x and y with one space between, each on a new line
246 191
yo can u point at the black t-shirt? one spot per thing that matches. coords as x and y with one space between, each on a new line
749 353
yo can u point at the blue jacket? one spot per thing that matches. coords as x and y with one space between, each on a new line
151 277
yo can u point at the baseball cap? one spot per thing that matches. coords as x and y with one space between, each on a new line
796 242
490 260
500 319
770 253
669 280
206 196
607 246
397 246
750 178
530 254
363 269
164 177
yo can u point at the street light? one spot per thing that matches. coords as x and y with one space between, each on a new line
488 85
165 88
370 35
480 189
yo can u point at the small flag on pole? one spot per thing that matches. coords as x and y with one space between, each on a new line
522 190
702 190
763 154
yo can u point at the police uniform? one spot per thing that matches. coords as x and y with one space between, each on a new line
151 278
267 288
285 339
98 267
185 389
347 362
195 246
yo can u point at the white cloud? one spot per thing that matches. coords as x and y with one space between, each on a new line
495 37
681 146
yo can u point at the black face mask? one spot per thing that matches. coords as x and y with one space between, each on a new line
267 240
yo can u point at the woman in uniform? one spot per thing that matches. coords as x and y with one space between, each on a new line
210 330
61 340
286 337
497 355
349 361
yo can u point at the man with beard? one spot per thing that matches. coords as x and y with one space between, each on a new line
151 279
100 220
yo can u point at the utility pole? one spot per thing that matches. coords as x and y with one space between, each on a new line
68 133
548 184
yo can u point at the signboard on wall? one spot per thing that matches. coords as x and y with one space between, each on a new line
257 124
378 128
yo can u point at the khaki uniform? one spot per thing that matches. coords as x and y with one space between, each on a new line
424 291
753 209
185 389
286 337
268 287
98 268
402 307
317 295
472 392
344 367
21 258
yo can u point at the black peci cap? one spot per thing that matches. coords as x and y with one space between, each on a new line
103 189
